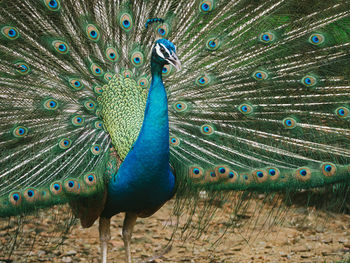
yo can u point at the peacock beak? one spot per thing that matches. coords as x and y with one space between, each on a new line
174 60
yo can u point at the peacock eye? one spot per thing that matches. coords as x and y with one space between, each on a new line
309 81
342 112
289 123
10 32
22 68
245 108
50 104
52 5
95 149
316 39
180 106
162 49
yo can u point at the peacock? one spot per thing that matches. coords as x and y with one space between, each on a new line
117 106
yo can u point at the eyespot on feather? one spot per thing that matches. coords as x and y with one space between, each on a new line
15 198
245 178
90 105
10 32
112 54
213 43
207 129
95 149
143 82
195 172
232 176
20 131
260 176
342 112
64 143
30 195
92 32
303 174
167 69
77 120
108 76
72 186
76 84
245 109
51 104
206 6
98 124
273 173
289 123
260 75
98 90
309 81
267 37
222 171
56 188
162 30
53 5
174 141
60 46
328 169
90 179
127 73
22 68
96 70
126 22
203 81
316 39
137 58
180 106
211 176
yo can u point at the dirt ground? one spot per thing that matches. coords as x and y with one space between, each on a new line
303 236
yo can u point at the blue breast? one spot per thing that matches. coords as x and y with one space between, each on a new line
144 180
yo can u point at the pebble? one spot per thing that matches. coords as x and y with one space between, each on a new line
41 253
70 253
67 260
301 249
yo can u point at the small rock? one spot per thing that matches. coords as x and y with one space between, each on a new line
326 253
320 229
67 259
41 253
327 241
71 253
301 249
306 255
343 241
283 254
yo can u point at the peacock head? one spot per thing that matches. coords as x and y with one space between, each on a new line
164 52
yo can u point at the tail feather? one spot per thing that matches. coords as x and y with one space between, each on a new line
271 85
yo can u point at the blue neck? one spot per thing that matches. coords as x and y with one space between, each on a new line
155 128
151 148
144 179
148 159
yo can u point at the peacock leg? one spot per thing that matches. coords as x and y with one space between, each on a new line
105 236
128 226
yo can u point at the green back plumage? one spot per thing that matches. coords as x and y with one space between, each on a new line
261 104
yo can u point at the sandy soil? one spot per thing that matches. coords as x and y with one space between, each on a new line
303 236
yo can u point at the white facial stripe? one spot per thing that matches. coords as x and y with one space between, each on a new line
158 51
166 50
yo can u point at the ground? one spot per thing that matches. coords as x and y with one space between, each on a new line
303 236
